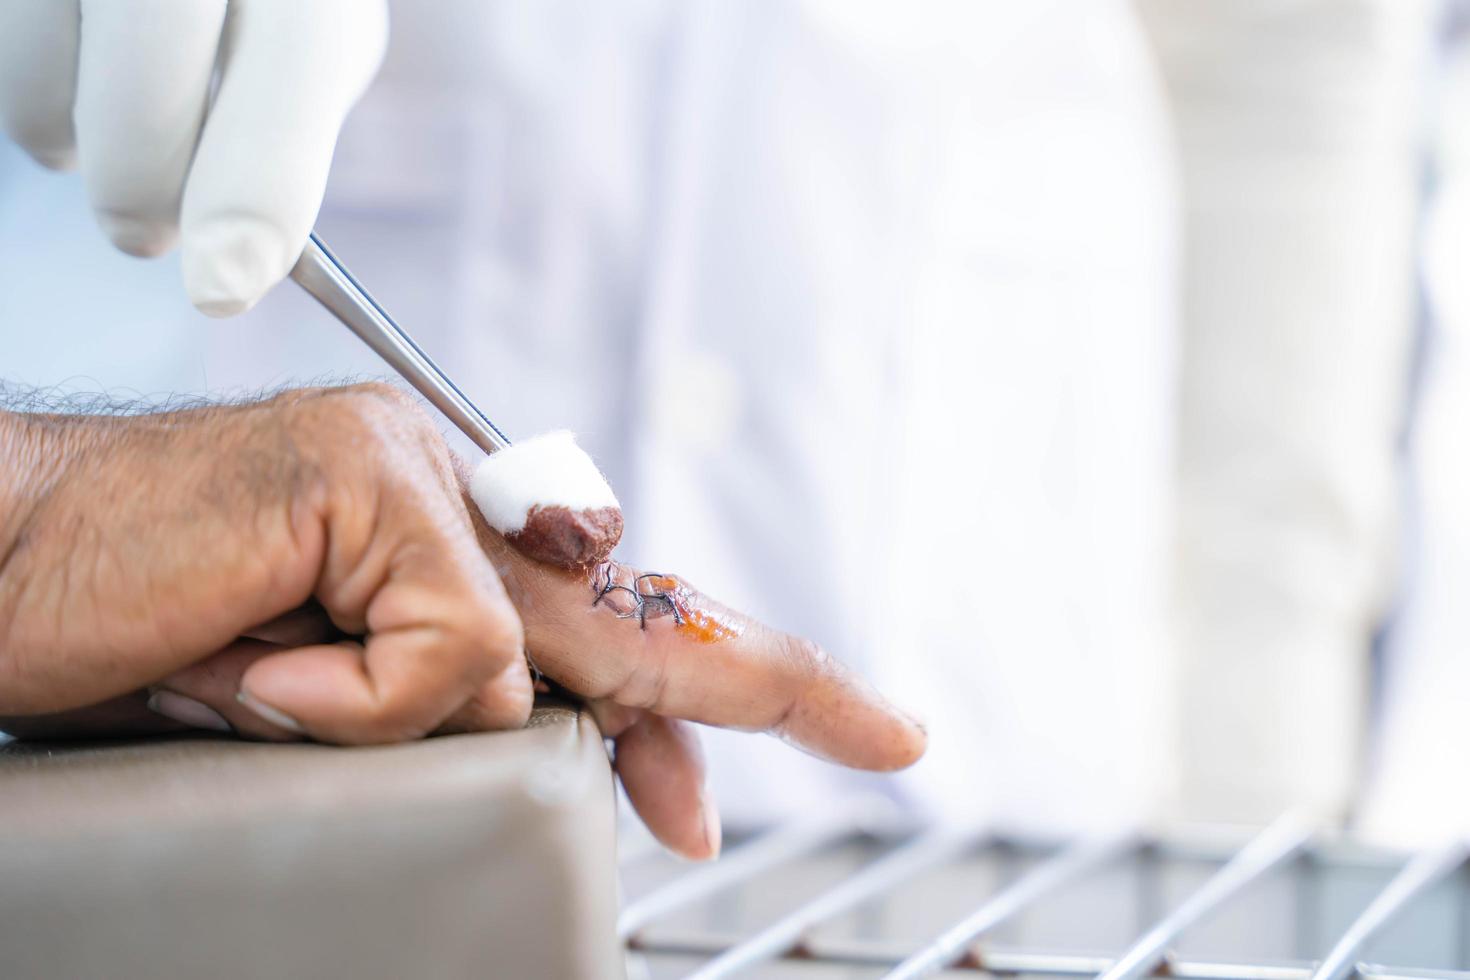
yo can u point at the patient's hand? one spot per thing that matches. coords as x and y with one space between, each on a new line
349 604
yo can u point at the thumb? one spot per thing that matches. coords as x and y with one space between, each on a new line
290 72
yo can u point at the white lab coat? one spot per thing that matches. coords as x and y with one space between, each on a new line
1417 791
1299 126
865 310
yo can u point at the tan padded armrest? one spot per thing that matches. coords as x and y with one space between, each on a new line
466 856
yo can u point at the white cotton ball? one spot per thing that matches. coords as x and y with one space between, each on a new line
546 471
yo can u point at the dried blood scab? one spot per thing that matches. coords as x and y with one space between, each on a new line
570 538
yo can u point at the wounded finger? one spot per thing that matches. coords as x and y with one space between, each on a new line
661 644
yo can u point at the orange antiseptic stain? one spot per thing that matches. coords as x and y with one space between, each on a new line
701 624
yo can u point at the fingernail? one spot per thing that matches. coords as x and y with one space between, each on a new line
710 816
134 235
275 716
229 263
187 711
908 713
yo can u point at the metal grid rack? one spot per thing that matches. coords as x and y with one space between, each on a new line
838 898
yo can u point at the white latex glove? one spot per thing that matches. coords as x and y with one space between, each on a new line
123 89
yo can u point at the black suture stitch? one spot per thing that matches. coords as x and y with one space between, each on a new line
662 601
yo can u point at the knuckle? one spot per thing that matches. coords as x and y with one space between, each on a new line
505 706
391 416
645 684
393 720
804 659
498 633
385 400
376 405
375 422
481 636
381 392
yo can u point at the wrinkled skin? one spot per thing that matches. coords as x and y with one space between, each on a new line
318 555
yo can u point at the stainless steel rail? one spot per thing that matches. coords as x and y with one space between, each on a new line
1067 865
765 852
996 960
1283 839
1009 961
1373 971
786 934
1417 876
796 937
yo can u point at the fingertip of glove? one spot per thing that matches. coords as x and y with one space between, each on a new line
136 236
61 158
229 264
219 307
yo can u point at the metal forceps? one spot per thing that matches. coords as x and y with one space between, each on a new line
321 274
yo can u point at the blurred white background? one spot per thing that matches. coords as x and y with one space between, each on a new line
1060 364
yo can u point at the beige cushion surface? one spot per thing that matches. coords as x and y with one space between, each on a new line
466 856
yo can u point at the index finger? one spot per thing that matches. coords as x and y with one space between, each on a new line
653 641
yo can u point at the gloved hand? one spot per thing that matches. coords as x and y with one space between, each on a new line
123 89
